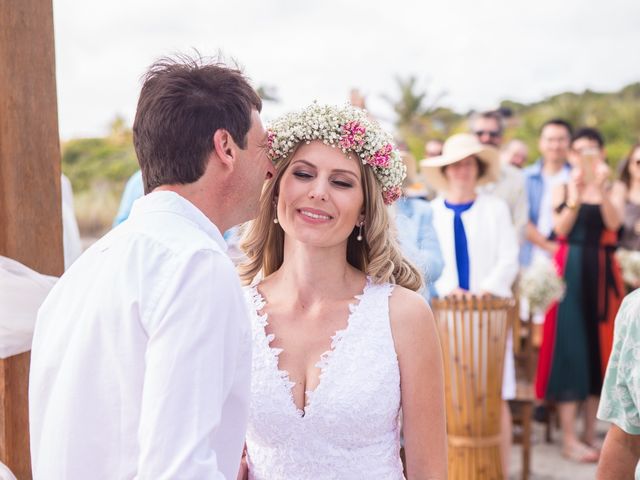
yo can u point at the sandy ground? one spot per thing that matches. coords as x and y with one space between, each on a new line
547 463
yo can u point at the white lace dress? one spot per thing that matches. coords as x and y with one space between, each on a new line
349 428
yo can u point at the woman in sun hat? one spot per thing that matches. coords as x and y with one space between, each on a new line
478 241
341 339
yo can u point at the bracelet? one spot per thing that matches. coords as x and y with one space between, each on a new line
572 205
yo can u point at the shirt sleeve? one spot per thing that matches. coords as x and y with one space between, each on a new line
187 364
620 398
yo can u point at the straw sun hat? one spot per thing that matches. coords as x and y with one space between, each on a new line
456 148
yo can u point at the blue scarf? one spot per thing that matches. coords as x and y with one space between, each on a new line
460 240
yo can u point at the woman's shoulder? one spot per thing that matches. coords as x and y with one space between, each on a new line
411 320
408 309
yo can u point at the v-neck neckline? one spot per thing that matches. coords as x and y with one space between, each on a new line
325 358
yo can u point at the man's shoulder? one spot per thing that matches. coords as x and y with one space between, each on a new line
532 170
172 232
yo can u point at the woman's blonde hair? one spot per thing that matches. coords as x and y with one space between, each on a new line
378 254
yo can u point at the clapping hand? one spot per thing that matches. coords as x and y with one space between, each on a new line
602 173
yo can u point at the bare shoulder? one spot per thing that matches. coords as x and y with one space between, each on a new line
410 316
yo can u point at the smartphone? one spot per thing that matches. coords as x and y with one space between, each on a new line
588 159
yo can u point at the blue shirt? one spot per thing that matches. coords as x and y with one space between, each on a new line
534 183
419 241
133 190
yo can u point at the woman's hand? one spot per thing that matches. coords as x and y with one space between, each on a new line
575 187
602 174
460 293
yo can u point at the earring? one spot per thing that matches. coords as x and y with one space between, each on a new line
275 220
359 237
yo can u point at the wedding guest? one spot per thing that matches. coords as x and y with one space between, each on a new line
515 153
628 187
141 352
509 185
71 244
414 222
133 190
578 332
620 402
342 341
478 241
541 178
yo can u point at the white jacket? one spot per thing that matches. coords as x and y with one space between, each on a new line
492 244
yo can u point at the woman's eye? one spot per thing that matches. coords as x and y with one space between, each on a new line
343 183
301 174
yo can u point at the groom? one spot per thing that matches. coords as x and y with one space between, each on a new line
141 353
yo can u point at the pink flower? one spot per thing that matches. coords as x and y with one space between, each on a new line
271 135
352 135
381 157
391 195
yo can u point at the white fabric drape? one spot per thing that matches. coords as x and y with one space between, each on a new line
22 291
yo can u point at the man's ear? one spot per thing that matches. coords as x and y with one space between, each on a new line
225 147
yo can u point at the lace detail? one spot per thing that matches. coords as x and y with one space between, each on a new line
349 426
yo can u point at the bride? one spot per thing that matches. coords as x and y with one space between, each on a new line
341 340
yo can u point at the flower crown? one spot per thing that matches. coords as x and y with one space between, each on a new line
345 127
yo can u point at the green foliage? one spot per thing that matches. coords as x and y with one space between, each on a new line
110 160
616 115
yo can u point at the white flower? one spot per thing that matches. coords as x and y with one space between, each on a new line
629 261
541 285
348 128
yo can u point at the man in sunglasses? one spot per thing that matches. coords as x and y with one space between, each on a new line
488 127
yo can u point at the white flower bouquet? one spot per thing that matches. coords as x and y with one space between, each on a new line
541 285
629 261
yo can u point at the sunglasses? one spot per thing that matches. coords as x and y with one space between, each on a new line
490 133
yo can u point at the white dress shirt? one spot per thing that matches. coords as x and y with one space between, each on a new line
491 241
142 355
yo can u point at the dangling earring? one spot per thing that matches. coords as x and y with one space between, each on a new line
275 220
359 237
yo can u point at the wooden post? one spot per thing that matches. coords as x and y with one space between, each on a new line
30 204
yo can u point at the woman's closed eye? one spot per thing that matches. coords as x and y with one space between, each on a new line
302 174
342 183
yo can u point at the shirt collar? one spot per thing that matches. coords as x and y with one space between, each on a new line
166 201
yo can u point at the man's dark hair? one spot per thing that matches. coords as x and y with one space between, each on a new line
590 134
558 122
182 103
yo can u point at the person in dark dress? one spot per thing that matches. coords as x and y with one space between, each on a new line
578 332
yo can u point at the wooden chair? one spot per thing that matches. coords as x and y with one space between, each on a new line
522 405
473 334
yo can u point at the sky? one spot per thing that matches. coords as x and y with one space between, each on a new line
469 53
